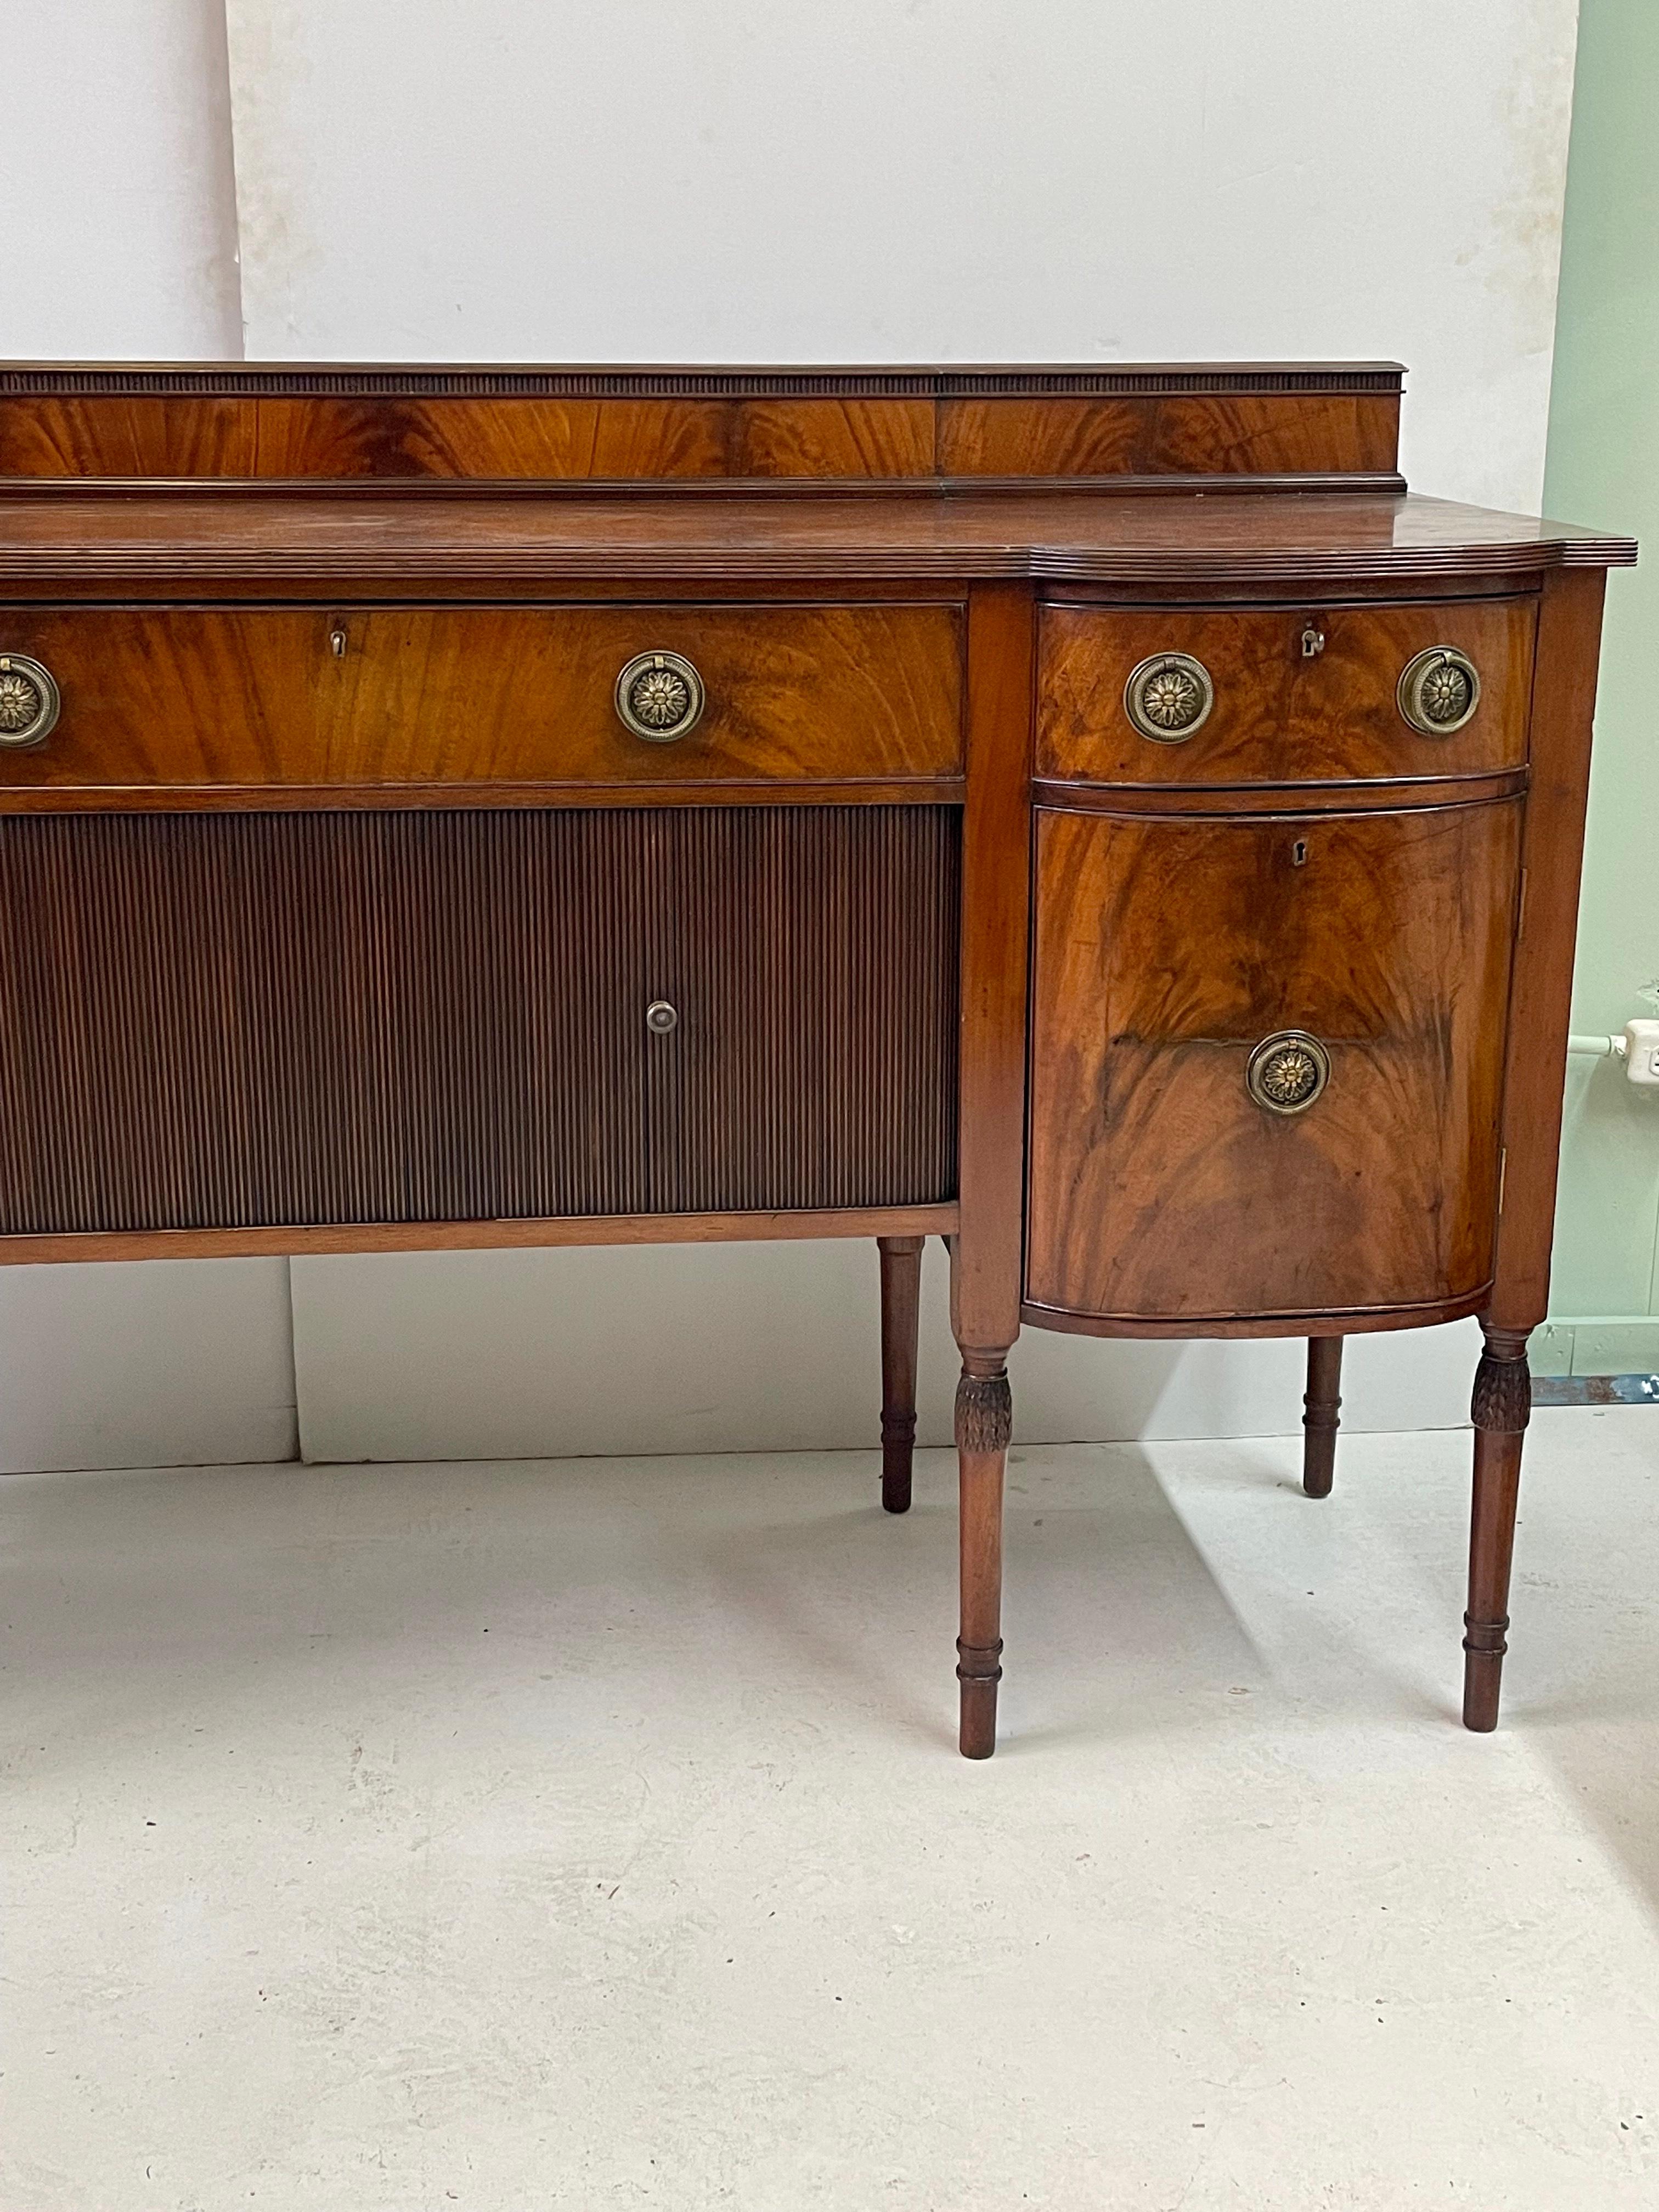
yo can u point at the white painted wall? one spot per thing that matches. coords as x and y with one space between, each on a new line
163 1363
772 181
118 209
117 194
945 179
749 1347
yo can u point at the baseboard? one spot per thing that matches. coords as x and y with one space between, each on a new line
1597 1344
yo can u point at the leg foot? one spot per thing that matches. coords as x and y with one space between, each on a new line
1503 1404
900 1302
1319 1420
977 1735
984 1425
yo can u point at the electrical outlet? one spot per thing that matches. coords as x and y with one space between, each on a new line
1642 1052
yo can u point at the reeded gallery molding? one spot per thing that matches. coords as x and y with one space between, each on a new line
118 379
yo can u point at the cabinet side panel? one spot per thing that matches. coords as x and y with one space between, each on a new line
985 1271
1563 712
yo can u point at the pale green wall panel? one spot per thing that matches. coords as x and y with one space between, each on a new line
1608 1203
1615 1348
1603 468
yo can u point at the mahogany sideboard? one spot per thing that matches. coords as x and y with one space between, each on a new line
1095 815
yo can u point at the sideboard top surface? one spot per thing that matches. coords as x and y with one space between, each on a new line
99 542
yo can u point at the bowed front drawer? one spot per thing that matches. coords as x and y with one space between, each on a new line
159 700
1210 697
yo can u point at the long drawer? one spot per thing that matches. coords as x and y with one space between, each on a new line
190 698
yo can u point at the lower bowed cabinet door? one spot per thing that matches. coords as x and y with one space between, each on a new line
1267 1062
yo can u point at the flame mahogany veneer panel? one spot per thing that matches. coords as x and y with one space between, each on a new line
1276 434
1166 949
227 1021
595 439
193 697
1280 717
1252 434
128 436
608 425
503 439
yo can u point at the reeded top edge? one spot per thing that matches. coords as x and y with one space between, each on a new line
252 380
171 538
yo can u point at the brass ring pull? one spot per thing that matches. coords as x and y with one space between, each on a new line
1169 697
29 699
659 696
1439 690
1287 1071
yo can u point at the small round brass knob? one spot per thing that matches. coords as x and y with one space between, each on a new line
1439 690
29 699
1287 1072
1169 697
659 696
660 1018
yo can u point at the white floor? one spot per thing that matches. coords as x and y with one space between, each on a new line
590 1834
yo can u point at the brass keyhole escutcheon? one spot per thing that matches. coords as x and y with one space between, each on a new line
29 701
1287 1071
1439 690
659 696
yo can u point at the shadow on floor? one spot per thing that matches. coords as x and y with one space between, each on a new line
161 1600
1114 1623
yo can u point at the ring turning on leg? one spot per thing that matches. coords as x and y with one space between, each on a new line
1319 1420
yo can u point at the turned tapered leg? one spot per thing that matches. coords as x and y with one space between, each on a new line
984 1424
1503 1404
900 1305
1319 1419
